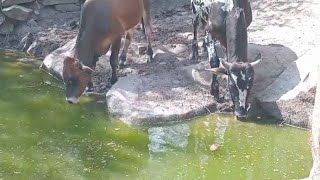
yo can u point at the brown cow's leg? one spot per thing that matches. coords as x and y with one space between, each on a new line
114 59
128 40
94 62
148 28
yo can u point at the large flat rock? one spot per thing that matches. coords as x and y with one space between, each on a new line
291 96
164 97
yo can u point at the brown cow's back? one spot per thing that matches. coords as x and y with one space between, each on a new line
102 21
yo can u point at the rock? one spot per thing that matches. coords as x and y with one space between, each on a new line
32 23
17 12
165 96
54 2
53 63
141 49
7 27
67 7
2 18
74 24
42 47
214 147
315 171
21 29
291 96
14 2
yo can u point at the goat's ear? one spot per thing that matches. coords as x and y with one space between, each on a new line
226 64
218 71
257 60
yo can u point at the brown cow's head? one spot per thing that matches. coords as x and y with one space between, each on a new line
240 80
76 77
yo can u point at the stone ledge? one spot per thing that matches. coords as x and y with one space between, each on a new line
291 96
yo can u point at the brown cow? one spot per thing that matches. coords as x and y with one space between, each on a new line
102 24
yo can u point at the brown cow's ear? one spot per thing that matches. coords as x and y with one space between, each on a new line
218 71
87 69
78 65
69 60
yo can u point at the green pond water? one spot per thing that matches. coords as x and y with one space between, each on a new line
43 137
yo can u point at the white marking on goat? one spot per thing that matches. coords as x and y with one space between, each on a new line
242 97
228 4
243 76
242 94
234 77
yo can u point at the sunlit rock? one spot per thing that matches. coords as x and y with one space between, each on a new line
291 96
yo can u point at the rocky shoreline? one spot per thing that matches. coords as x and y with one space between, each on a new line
39 27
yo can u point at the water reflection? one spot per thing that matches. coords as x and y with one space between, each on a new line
177 137
168 138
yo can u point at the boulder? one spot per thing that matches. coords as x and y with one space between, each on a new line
17 12
53 63
48 41
54 2
67 7
6 27
157 99
32 23
291 96
14 2
42 46
315 171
